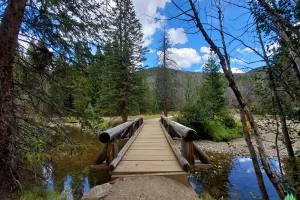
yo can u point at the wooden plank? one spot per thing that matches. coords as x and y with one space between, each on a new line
147 167
183 162
145 158
149 140
123 151
151 136
178 176
147 152
162 148
152 144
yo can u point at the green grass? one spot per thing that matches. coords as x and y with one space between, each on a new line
219 132
37 194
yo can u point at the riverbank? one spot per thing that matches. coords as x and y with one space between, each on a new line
238 147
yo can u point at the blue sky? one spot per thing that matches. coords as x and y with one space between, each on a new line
191 51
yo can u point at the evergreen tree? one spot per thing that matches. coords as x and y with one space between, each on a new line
60 25
213 87
124 54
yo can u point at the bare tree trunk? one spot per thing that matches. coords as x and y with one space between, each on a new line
9 30
282 118
226 68
125 111
282 25
165 76
253 155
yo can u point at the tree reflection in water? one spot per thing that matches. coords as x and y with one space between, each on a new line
215 180
231 177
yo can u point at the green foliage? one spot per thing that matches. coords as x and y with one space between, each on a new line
290 197
40 194
207 113
212 90
72 120
219 132
206 196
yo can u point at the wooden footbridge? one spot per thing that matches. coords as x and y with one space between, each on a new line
151 149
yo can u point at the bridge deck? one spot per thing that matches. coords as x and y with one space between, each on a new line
149 153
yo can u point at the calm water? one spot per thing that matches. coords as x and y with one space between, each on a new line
230 177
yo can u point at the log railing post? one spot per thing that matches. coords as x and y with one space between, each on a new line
110 138
187 151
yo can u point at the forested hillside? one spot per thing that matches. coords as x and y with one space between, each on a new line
187 83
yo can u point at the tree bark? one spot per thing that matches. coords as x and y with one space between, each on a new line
253 156
229 76
282 26
282 118
9 31
125 111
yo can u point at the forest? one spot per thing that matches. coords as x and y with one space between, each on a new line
66 62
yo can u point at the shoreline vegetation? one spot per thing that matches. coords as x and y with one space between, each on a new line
236 147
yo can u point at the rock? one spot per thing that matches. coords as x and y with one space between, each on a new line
98 192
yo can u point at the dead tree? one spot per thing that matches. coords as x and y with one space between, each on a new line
191 15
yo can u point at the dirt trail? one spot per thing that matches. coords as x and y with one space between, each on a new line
145 187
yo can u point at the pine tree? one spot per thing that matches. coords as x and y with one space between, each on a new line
125 53
213 87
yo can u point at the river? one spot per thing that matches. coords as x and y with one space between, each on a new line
230 177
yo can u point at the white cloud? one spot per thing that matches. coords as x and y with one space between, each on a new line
146 12
234 70
205 49
151 50
271 48
184 57
244 50
205 57
244 159
177 36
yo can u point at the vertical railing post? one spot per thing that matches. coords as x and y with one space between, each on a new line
187 151
115 148
112 150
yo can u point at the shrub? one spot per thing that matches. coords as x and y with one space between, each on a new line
228 121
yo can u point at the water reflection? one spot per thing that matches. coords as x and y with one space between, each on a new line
69 173
231 178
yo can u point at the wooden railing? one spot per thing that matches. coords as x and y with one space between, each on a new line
110 152
189 149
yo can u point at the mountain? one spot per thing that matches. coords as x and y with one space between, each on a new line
186 84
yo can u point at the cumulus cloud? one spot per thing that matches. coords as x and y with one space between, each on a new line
234 70
146 12
244 50
205 49
184 57
206 53
151 51
244 159
271 48
177 36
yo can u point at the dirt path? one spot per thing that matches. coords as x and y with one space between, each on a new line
144 187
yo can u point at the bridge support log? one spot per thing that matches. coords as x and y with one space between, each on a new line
101 157
187 151
120 155
182 160
200 154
